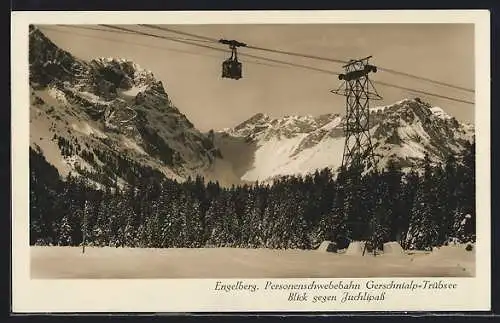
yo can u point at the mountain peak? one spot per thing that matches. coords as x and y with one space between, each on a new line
258 117
127 71
93 115
261 124
48 63
123 62
402 132
437 111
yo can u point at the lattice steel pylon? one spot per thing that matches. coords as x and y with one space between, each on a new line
358 90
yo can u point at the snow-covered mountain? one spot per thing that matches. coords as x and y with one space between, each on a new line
111 119
402 132
108 116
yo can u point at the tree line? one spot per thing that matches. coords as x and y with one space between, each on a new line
420 209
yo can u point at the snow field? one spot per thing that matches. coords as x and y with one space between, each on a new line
272 158
129 143
88 130
108 263
134 90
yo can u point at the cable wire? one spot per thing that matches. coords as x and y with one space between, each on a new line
423 92
288 63
128 32
210 39
144 45
388 70
225 50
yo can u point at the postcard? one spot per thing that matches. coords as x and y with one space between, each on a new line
263 161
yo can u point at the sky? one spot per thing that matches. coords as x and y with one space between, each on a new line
191 75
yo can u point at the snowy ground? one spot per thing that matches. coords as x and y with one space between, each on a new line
69 262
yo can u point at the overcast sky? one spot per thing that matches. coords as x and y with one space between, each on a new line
192 75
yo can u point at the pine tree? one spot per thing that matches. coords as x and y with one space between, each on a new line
64 233
102 229
396 216
86 215
381 210
168 234
423 232
466 190
354 212
230 220
36 219
129 218
152 226
212 225
129 238
268 223
194 224
255 216
445 188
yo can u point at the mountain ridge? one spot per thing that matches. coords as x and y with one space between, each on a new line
110 119
402 132
112 107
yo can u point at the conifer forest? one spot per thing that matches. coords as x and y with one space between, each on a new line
420 209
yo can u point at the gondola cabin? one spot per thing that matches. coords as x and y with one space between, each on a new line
231 67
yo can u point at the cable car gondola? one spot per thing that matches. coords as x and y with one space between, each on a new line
231 68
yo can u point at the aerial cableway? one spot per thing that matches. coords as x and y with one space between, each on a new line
357 88
314 57
232 69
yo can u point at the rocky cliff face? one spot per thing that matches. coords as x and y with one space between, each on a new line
108 107
108 118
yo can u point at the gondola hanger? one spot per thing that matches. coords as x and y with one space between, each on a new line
231 67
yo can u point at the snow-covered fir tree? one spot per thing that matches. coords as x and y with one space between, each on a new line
420 210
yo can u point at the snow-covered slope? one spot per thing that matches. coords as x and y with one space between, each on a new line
281 141
108 116
402 132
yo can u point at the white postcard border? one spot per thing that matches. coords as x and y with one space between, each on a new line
198 295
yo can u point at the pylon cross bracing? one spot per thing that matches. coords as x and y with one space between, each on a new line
358 90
